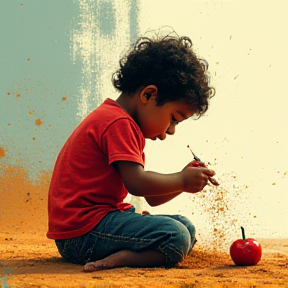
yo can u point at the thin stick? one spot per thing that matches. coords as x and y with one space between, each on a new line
243 233
195 157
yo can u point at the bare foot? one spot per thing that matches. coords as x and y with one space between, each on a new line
98 265
112 261
127 258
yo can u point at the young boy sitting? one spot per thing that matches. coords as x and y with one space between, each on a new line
162 83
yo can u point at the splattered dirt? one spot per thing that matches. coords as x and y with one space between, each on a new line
28 259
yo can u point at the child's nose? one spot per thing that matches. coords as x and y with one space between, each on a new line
171 130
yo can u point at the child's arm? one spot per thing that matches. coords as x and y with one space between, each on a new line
159 200
164 186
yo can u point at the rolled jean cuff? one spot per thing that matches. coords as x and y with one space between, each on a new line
173 257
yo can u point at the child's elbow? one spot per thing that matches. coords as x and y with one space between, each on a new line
152 201
135 191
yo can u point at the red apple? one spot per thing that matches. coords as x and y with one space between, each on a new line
245 252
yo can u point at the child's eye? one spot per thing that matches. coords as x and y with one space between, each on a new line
174 120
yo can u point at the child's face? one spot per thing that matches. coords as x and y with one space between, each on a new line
157 121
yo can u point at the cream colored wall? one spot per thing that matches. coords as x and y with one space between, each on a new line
245 129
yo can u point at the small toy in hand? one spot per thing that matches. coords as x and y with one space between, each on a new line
198 163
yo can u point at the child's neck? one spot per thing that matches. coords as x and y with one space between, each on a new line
128 103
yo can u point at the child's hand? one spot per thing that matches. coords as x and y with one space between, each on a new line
196 163
194 179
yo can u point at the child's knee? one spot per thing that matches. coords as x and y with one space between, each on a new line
186 222
179 245
185 240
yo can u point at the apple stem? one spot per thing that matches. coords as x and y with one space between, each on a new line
243 233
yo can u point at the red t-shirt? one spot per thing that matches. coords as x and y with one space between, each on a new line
84 185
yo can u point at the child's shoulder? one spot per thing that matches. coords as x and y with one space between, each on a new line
107 105
108 111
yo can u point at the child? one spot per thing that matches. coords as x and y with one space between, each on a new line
162 83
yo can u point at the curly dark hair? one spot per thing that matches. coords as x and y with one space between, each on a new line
172 66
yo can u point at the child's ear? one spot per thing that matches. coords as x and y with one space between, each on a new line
149 92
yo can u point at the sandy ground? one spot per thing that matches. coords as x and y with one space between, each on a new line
31 260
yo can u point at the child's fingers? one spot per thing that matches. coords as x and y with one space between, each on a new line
208 172
213 181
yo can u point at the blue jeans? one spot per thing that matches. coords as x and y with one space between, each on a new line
173 235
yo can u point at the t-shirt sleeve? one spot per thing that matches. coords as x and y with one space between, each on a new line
123 141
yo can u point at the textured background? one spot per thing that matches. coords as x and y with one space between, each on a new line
56 61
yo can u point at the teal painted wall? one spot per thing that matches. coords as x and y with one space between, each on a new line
53 62
39 83
37 76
